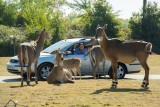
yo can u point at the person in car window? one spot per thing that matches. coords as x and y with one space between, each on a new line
81 50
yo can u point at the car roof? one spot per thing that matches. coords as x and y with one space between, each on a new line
64 44
77 40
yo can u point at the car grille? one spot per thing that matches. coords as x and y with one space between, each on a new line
14 61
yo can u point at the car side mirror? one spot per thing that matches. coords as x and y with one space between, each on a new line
68 52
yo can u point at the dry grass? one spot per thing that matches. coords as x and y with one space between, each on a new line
85 92
3 69
154 64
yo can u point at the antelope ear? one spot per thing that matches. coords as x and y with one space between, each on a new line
58 49
105 26
44 30
98 26
55 51
37 32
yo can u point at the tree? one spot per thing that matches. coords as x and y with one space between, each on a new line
39 14
10 37
94 13
148 27
7 13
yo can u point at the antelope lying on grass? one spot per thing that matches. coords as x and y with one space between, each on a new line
96 56
59 73
124 51
73 64
28 53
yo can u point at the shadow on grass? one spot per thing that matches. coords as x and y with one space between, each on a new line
12 80
19 86
121 90
57 83
32 83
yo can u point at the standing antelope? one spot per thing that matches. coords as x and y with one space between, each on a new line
96 56
124 51
59 73
73 64
28 53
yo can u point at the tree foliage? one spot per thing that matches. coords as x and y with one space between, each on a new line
7 13
20 18
148 27
10 37
97 12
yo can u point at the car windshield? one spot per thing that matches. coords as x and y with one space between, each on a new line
60 44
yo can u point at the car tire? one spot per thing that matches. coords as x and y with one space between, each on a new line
121 71
43 71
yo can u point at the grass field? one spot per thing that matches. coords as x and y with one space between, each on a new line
3 69
85 92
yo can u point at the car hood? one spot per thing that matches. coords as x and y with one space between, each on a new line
45 54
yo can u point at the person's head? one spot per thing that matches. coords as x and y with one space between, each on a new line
81 46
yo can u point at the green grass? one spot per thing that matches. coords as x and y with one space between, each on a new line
85 92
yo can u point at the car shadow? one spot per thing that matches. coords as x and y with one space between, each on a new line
12 80
18 79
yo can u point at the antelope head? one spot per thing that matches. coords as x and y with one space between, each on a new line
45 34
59 55
100 30
42 33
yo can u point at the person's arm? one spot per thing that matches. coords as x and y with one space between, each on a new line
87 51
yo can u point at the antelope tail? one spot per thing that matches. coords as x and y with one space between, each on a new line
148 48
23 54
26 54
92 58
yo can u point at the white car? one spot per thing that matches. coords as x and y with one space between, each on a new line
46 61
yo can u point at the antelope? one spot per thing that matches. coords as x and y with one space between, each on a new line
73 64
124 51
29 52
59 73
96 56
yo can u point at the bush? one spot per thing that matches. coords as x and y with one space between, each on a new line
10 37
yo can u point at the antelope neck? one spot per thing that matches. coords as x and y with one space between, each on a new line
40 41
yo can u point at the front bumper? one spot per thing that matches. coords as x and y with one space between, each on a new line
14 68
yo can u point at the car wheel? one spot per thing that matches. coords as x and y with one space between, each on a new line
121 71
43 71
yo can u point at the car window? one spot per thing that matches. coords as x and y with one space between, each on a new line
60 44
71 50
